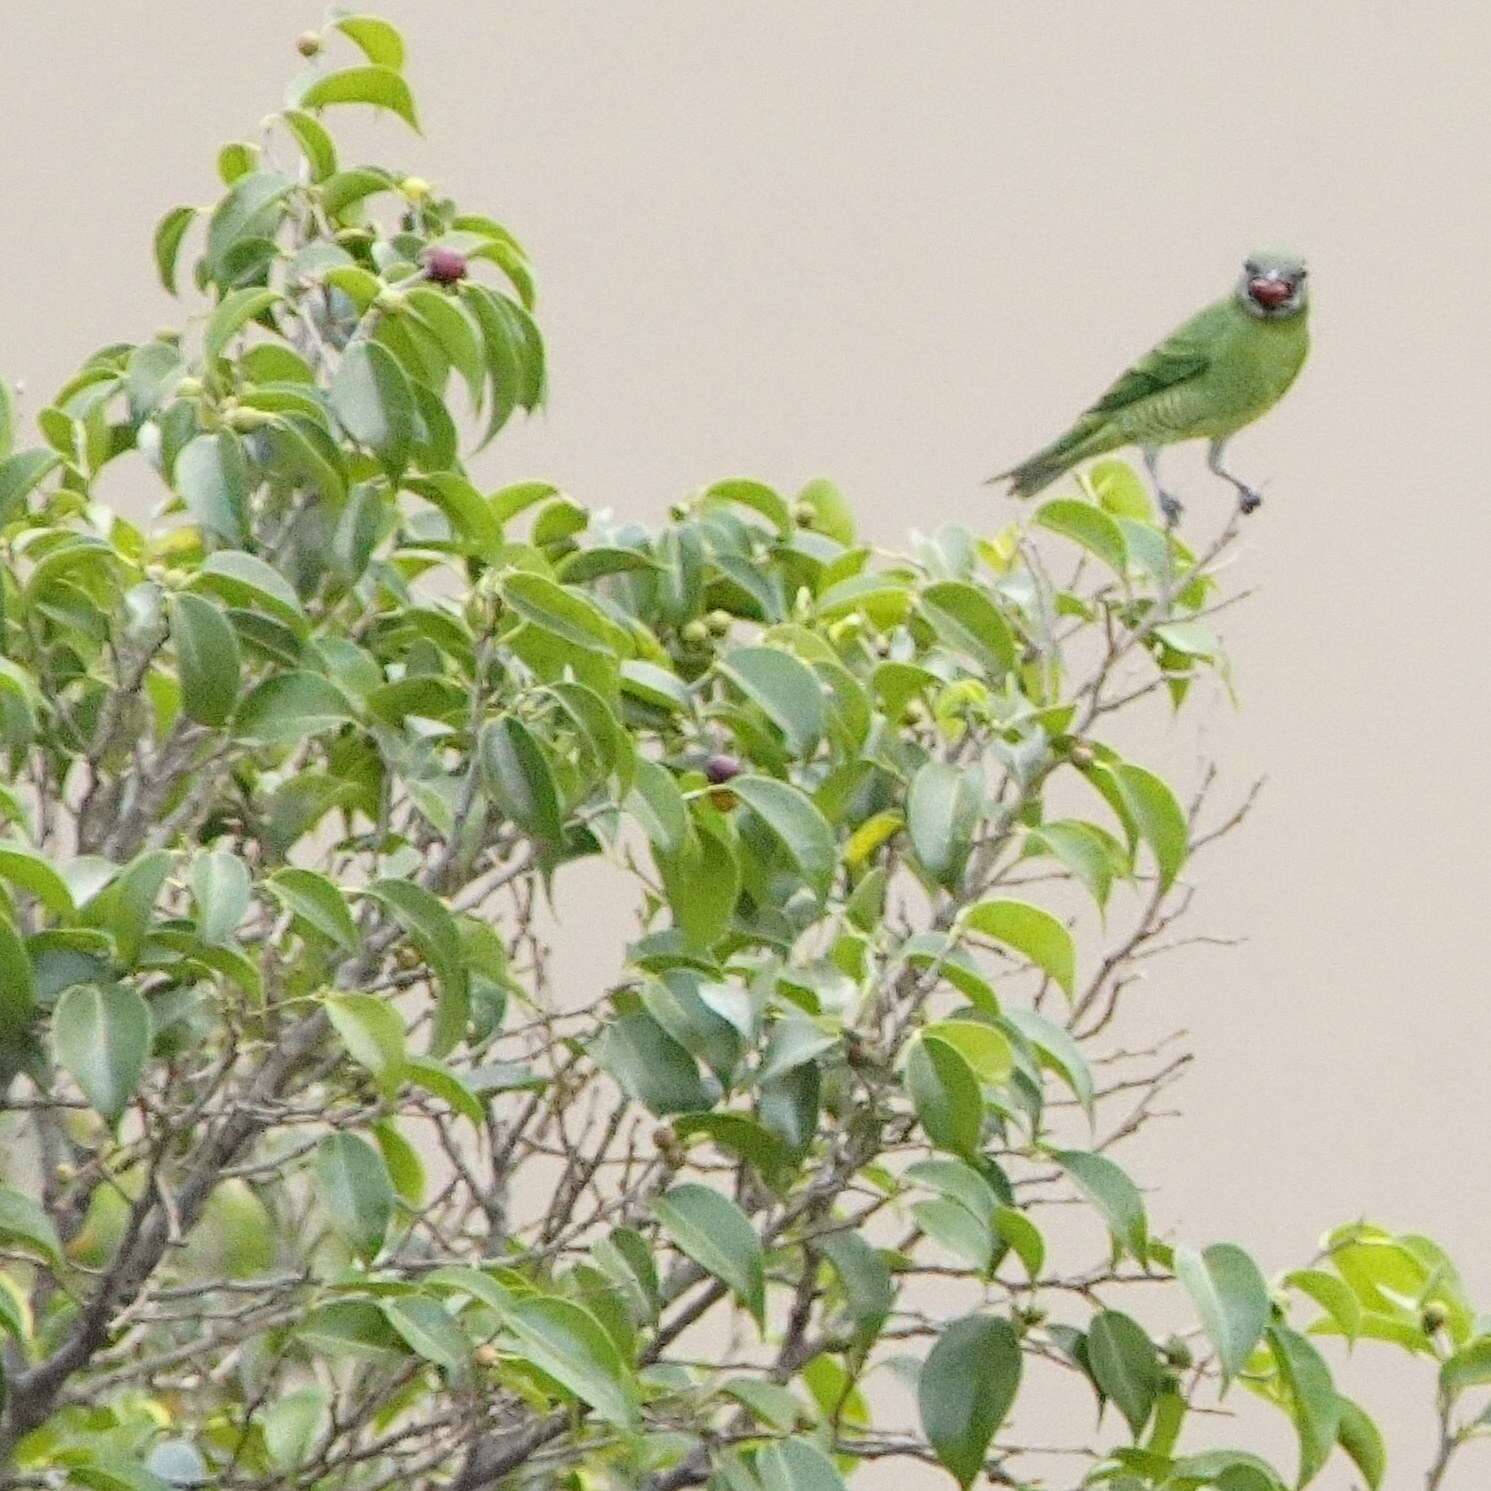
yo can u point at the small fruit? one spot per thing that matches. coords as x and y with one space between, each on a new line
719 622
416 188
308 43
1081 755
803 514
445 266
695 632
188 388
720 768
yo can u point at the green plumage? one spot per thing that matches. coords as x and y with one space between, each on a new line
1224 368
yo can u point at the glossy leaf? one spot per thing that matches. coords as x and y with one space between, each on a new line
1030 931
712 1230
1231 1298
353 1185
102 1034
967 1388
373 84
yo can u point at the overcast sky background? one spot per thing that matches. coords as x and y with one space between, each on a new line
900 246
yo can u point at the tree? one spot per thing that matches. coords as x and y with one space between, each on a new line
314 1179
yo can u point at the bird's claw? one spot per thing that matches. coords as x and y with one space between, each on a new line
1249 500
1172 509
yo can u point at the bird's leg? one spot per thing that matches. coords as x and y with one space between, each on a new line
1249 499
1169 505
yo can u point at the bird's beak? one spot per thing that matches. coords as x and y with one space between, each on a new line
1270 291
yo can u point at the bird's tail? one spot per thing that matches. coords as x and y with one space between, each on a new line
1037 472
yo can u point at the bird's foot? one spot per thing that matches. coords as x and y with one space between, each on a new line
1172 509
1249 499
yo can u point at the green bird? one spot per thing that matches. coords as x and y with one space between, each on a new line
1227 366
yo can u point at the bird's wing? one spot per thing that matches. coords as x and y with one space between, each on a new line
1184 354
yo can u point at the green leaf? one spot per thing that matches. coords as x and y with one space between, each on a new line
795 822
1088 526
1125 1366
651 1067
1333 1296
447 321
373 1033
292 1424
233 313
371 396
438 1079
220 887
1056 1049
1120 490
427 1327
966 1389
287 707
19 476
36 873
207 656
1231 1298
1113 1194
769 1404
1359 1436
1092 855
168 235
865 1278
246 219
564 611
831 513
374 84
713 1231
942 811
1315 1408
102 1035
25 1224
106 1472
1015 1228
519 779
796 1465
656 802
987 1051
380 41
786 689
428 921
317 902
211 474
566 1341
467 511
353 1184
755 495
966 620
1157 815
1468 1367
315 143
739 1135
946 1094
243 579
125 906
1032 932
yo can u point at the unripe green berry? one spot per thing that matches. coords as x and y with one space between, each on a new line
308 43
695 632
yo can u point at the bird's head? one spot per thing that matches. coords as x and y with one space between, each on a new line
1273 285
